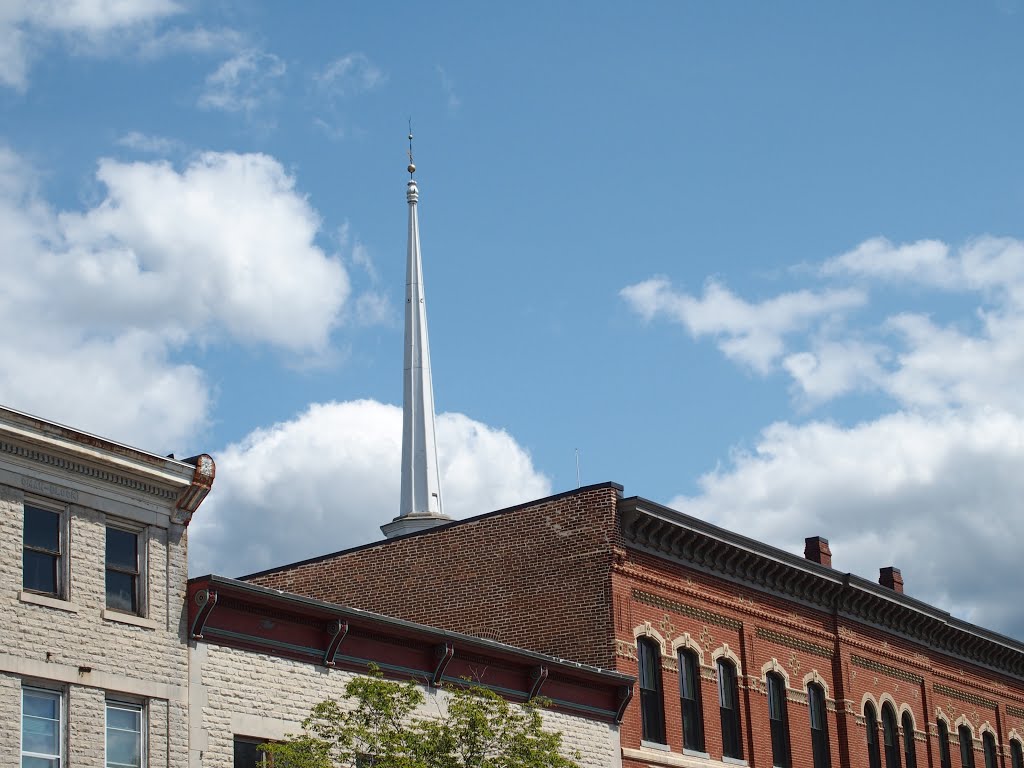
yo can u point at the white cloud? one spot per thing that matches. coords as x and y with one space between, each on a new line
750 333
195 40
106 299
26 26
448 87
157 145
243 83
348 75
329 478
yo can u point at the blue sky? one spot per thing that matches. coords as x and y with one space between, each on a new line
761 261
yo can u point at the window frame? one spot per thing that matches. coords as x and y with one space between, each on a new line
890 736
652 702
909 747
732 741
62 564
126 704
778 719
945 760
871 728
140 574
1016 754
266 761
691 708
60 696
966 745
990 749
821 749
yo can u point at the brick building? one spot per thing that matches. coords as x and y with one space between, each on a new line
744 654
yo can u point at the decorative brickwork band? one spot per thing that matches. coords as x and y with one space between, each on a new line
686 610
885 669
1015 711
970 698
796 643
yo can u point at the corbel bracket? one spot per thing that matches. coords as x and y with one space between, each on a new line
444 653
537 678
206 600
625 696
337 631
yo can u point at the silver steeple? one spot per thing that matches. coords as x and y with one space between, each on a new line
420 505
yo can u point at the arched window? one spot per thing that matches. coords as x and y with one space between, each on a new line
944 761
909 748
652 708
989 742
729 709
871 726
778 720
890 735
1016 754
689 700
966 746
819 727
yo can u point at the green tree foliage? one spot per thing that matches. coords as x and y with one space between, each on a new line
479 729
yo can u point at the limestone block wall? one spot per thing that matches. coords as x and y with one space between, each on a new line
75 646
242 693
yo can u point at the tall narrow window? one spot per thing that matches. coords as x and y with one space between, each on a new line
909 748
652 708
689 701
41 726
819 727
871 726
122 570
124 735
890 735
41 553
989 742
1016 754
778 720
966 746
729 709
944 761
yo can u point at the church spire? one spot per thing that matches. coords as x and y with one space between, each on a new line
421 486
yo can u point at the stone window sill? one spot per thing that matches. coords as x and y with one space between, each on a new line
50 602
734 761
127 618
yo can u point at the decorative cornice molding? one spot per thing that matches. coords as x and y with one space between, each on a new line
970 698
797 643
686 610
885 669
1015 711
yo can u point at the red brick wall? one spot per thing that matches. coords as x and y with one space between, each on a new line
534 576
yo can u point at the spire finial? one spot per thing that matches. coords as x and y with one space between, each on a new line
412 168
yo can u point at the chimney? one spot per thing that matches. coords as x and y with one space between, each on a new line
816 550
892 578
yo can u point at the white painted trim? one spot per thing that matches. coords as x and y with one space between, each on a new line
686 641
646 630
108 681
50 602
815 677
774 666
727 652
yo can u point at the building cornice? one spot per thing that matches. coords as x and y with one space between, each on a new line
56 449
672 535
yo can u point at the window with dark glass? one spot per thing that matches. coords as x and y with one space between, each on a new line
248 754
728 707
966 746
871 726
689 701
989 742
944 761
909 748
820 749
122 570
778 720
890 736
1016 754
41 553
652 707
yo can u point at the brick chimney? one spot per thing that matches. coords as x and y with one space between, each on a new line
892 578
816 550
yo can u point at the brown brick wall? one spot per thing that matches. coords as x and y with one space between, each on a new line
534 576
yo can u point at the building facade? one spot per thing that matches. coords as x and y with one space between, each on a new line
744 654
93 569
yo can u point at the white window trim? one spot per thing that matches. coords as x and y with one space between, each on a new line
142 585
64 566
62 717
140 706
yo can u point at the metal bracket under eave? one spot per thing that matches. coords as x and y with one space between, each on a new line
537 678
625 696
444 653
206 600
337 630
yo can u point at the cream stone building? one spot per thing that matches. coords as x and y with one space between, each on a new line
93 571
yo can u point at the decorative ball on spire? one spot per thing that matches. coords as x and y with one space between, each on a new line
412 169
